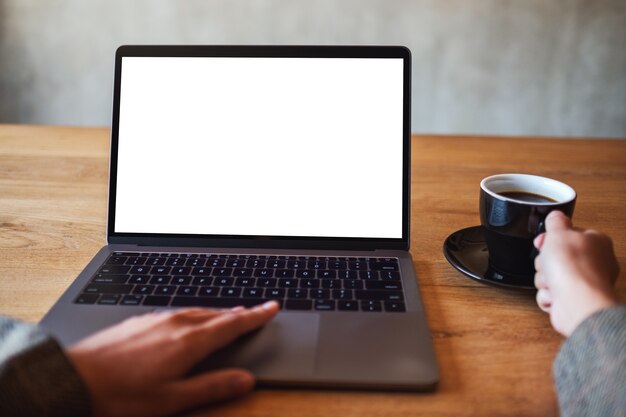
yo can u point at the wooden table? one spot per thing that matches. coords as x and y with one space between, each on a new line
495 348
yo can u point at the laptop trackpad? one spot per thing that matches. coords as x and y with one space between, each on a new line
284 349
371 349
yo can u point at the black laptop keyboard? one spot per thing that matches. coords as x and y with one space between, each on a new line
224 281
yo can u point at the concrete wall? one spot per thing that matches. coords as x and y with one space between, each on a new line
528 67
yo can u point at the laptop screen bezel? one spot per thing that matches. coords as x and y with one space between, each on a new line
243 241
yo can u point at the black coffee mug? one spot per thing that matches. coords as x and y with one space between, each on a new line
513 208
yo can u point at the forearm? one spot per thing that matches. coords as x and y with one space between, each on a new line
36 378
590 369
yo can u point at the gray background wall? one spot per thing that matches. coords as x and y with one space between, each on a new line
521 67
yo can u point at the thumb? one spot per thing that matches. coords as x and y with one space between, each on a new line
556 220
209 388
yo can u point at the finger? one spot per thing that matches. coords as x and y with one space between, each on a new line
224 329
537 263
191 312
188 316
540 281
538 242
556 220
544 299
208 388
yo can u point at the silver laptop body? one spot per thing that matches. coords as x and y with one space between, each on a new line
234 165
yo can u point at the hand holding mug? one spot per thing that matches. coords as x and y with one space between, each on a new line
576 271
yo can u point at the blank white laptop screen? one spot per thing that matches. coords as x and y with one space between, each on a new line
260 146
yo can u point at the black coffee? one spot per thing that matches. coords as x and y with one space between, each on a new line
527 197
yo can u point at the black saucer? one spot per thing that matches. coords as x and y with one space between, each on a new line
466 250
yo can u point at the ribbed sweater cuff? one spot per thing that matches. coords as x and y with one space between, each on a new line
590 369
36 377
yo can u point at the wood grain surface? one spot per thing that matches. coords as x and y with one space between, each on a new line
494 347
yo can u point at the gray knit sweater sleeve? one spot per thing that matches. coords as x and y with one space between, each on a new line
590 369
36 378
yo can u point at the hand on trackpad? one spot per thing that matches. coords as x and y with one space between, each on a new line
284 345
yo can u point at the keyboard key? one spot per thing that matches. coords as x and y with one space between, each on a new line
230 292
202 281
139 270
156 261
110 279
327 274
324 305
165 290
275 293
139 279
343 294
296 264
347 305
318 265
275 264
87 298
181 270
371 306
216 302
383 285
309 283
157 300
208 291
264 273
160 270
108 288
390 275
224 282
384 266
320 294
216 262
222 272
352 284
116 260
347 274
109 299
117 253
287 283
331 283
181 280
357 266
187 290
284 273
368 274
379 295
143 289
298 293
255 263
114 269
195 262
298 304
305 273
243 272
131 300
175 262
159 280
266 282
245 282
201 271
394 306
252 292
235 263
337 265
136 260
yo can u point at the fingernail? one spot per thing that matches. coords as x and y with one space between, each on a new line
269 305
237 309
242 382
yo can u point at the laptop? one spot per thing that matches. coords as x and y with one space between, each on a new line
241 174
